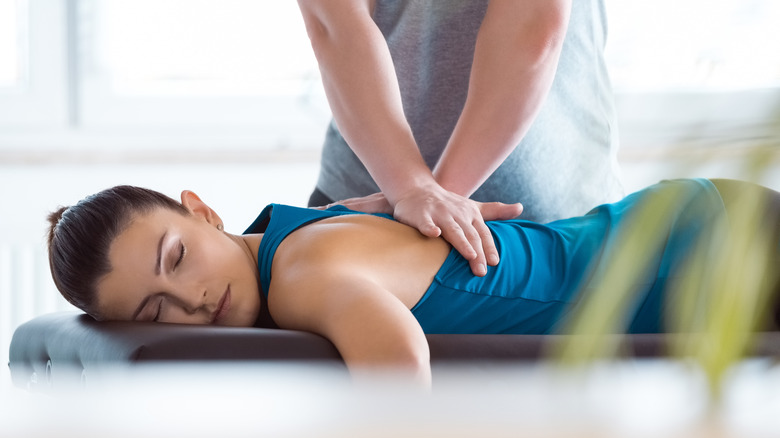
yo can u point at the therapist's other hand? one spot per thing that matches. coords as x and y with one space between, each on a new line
374 203
436 212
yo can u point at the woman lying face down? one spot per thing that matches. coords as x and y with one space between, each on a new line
181 268
372 286
120 255
131 254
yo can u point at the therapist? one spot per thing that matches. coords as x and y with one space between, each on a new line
438 104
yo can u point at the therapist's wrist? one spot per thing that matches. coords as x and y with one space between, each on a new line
412 184
454 183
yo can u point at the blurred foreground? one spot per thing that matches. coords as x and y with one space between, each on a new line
614 399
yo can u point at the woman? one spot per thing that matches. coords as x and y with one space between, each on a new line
374 286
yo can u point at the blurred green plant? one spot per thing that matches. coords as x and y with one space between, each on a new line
718 300
724 295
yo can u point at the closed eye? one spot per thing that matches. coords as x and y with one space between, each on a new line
182 251
159 312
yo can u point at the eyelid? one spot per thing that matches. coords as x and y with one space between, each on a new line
146 312
156 317
182 251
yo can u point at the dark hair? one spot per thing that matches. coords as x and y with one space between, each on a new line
80 237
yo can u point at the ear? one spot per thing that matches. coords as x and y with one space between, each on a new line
198 208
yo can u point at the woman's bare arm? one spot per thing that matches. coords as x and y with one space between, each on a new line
372 329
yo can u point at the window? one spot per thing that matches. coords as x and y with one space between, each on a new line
32 65
112 76
202 66
693 45
694 69
11 45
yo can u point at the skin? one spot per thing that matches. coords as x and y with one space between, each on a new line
188 289
327 278
505 94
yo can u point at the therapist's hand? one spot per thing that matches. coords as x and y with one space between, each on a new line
375 203
435 212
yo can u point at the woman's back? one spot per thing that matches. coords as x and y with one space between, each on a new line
543 270
394 256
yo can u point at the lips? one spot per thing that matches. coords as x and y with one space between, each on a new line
222 307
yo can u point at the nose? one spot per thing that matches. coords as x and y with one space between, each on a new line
193 302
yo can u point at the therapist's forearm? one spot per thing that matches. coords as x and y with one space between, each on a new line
515 60
362 89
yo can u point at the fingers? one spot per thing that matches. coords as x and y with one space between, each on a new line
492 211
488 244
474 242
461 233
374 203
429 228
458 220
465 241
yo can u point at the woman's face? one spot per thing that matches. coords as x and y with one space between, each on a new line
175 268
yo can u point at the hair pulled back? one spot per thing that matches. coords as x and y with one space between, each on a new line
80 237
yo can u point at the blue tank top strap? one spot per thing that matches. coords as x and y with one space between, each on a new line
276 222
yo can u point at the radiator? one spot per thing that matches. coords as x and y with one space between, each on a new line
26 291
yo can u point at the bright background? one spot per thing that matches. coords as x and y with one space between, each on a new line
224 97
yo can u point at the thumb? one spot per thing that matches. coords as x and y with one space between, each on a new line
428 228
500 211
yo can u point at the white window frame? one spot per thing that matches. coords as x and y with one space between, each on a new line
657 119
277 121
41 100
63 112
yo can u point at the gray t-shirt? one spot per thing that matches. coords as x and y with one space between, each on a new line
564 166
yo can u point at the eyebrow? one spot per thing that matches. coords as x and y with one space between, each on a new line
157 270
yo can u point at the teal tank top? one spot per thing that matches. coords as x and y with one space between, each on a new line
544 268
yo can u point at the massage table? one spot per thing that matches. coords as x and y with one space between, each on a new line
63 349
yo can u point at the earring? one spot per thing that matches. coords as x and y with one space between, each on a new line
219 227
